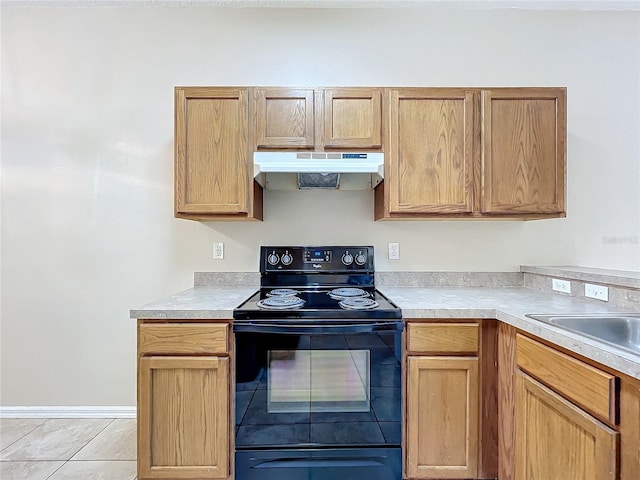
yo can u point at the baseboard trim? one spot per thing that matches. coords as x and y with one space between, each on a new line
67 412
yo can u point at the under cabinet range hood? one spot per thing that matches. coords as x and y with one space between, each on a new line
318 170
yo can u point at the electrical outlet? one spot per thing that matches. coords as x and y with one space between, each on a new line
218 250
563 286
394 251
596 291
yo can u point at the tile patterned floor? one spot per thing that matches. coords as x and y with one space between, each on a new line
67 449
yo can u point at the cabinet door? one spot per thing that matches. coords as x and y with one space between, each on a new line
183 418
353 118
430 164
284 118
523 139
211 174
442 417
556 440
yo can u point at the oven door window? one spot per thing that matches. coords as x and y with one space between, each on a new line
318 381
310 391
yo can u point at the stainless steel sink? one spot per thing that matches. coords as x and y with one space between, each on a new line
621 330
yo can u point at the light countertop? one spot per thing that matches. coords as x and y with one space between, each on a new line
197 303
507 304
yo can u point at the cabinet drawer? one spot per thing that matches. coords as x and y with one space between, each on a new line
442 337
183 338
581 383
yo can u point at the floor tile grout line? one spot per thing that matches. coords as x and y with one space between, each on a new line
49 460
60 459
69 461
30 431
103 461
53 473
63 462
91 439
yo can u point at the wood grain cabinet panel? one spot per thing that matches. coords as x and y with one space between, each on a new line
284 117
474 153
212 177
183 418
587 386
443 337
182 338
507 367
442 417
557 440
524 145
352 118
430 162
629 428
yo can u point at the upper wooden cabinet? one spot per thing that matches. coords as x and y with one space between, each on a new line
318 119
213 178
429 166
285 117
474 153
523 150
352 118
449 152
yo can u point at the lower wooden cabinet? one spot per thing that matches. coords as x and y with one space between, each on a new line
183 424
562 416
442 417
183 402
451 401
557 440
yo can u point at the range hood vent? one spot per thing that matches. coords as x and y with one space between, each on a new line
318 170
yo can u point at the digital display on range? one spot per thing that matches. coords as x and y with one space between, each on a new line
317 256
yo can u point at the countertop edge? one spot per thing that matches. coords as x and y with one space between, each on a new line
609 356
222 314
624 362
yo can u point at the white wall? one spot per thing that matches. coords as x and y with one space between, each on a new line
87 132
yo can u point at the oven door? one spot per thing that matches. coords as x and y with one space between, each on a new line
321 401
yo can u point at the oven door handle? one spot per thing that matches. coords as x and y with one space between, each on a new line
316 328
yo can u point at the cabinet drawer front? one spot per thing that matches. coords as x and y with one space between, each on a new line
443 337
184 338
581 383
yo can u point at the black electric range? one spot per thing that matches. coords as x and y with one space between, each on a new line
316 285
318 369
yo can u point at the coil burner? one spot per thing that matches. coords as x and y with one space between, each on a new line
281 302
282 292
347 292
358 303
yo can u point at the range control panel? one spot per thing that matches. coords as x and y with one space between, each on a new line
317 255
316 259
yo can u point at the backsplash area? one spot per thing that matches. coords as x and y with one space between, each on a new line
624 287
449 279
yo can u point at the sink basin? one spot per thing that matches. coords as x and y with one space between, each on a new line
621 330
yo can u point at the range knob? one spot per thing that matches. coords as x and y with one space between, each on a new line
361 258
273 259
287 258
347 258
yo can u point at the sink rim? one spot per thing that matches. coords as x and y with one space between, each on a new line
546 318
